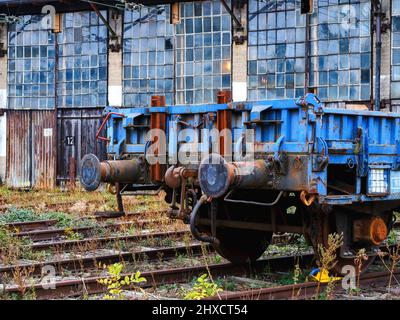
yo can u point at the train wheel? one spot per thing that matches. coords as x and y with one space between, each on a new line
326 225
242 246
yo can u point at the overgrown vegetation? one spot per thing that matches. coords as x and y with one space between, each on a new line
328 260
115 283
76 202
13 249
64 220
18 215
204 287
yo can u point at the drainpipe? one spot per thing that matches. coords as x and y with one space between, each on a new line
378 52
308 56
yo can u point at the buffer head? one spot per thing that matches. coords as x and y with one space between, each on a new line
214 175
90 172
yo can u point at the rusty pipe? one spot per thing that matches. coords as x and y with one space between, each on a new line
193 227
93 172
216 175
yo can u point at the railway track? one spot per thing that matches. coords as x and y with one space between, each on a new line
84 263
84 286
39 230
302 291
89 285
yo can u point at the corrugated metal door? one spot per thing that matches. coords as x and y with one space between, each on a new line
44 149
31 153
76 137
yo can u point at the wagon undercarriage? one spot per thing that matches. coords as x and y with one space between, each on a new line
301 169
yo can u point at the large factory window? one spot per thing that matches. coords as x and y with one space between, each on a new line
395 49
148 56
276 54
82 68
340 50
31 65
203 52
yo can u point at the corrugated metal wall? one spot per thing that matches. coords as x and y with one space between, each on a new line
76 137
3 146
31 149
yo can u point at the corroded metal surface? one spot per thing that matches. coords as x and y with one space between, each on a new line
76 136
158 120
31 149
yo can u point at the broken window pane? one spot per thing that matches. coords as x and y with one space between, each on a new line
31 62
88 57
209 53
342 48
149 67
279 50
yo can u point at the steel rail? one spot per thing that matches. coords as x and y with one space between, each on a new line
30 225
68 244
49 234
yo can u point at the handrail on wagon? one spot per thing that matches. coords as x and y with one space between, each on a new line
104 123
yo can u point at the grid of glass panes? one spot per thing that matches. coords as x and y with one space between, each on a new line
340 50
148 56
31 65
395 90
82 68
203 52
276 50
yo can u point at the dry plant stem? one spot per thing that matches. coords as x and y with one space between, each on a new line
395 258
394 263
328 255
358 262
204 256
20 276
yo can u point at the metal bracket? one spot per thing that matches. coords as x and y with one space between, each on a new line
257 110
320 159
310 100
3 51
238 40
120 148
280 158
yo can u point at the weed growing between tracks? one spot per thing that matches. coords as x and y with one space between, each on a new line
115 283
64 220
203 288
13 249
328 259
394 259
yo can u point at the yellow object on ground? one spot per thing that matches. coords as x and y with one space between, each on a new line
322 276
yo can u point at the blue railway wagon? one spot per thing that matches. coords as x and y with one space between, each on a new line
238 172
